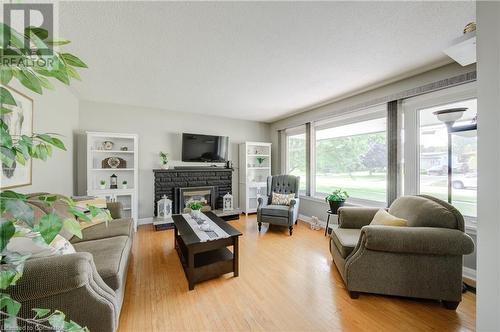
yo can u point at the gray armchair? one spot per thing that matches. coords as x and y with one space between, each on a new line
279 214
423 260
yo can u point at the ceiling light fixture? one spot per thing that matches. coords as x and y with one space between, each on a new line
463 49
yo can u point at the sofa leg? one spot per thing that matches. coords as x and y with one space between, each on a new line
260 225
296 221
451 305
353 294
291 230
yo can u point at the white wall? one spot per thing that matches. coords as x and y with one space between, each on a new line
160 130
488 263
54 112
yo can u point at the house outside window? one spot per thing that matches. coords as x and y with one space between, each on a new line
426 149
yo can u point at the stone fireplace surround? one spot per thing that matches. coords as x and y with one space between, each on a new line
169 181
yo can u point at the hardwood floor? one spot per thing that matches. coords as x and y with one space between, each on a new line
285 284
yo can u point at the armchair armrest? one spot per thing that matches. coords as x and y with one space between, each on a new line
293 211
261 202
115 209
417 240
355 217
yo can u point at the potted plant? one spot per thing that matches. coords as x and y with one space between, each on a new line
17 208
124 184
164 160
102 184
260 160
336 199
195 208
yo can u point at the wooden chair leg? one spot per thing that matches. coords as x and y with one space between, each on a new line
291 230
296 221
353 295
260 225
451 305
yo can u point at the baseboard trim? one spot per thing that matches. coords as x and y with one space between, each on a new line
145 221
469 274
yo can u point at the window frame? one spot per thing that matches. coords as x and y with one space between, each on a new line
294 131
359 115
411 108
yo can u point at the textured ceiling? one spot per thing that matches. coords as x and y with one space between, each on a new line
252 60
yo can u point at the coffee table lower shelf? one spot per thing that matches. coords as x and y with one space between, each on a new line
207 265
207 260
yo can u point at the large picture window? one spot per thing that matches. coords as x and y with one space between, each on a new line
426 148
352 154
433 155
296 156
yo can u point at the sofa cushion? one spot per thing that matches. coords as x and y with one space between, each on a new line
59 207
115 227
110 258
275 210
423 212
345 240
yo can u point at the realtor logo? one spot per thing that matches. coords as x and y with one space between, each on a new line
38 16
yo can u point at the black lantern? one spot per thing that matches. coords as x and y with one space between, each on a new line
113 182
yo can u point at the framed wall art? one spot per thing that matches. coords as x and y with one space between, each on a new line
20 122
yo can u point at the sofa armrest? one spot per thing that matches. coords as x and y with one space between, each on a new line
115 227
417 240
69 283
56 275
355 217
115 209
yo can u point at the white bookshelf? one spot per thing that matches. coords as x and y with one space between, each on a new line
95 172
253 175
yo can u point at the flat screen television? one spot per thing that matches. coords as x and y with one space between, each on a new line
204 148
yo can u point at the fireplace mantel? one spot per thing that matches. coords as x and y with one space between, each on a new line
166 181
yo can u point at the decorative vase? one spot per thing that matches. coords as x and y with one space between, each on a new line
335 205
195 213
102 186
164 166
124 186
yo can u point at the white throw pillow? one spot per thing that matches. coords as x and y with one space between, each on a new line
281 199
28 244
384 218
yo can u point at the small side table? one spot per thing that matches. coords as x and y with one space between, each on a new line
329 212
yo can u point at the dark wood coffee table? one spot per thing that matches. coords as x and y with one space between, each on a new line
205 260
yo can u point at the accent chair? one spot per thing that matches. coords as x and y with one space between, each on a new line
423 260
283 215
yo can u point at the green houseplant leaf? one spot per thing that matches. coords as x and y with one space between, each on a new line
21 65
6 97
50 225
7 231
73 60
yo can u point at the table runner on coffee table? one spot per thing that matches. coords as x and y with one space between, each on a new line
215 233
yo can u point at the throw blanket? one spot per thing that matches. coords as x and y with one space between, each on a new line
215 232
